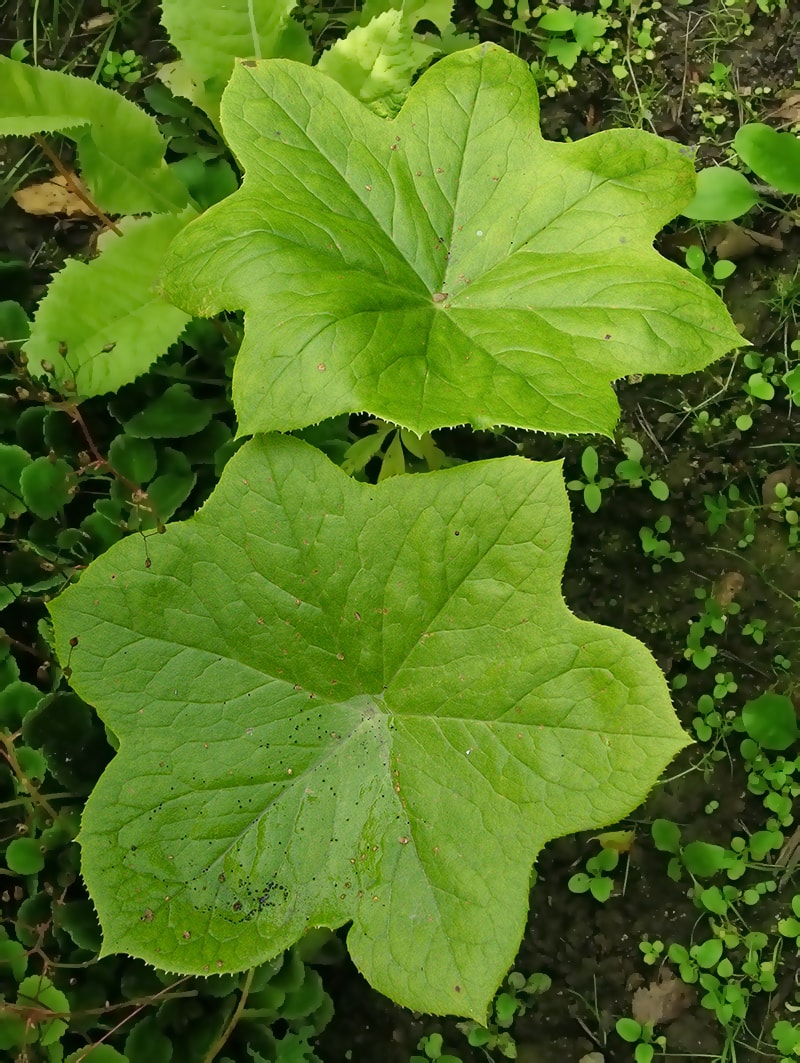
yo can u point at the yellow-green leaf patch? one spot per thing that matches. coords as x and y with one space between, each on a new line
339 702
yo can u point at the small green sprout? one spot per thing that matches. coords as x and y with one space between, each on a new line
640 1034
510 1003
655 547
594 880
651 951
592 487
431 1047
698 264
635 473
786 1036
756 629
790 926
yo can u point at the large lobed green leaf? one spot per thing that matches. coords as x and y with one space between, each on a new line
448 266
120 150
102 324
338 702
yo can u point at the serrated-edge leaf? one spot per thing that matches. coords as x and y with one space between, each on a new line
372 259
120 149
377 61
336 701
108 312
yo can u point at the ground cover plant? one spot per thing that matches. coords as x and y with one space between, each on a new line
181 871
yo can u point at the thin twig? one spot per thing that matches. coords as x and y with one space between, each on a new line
219 1044
74 187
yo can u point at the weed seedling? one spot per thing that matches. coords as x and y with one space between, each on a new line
592 486
786 1036
431 1047
790 926
595 879
641 1035
715 273
511 1003
655 547
633 471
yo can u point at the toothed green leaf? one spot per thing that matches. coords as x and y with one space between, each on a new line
120 150
102 323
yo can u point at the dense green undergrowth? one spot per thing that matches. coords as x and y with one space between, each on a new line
323 701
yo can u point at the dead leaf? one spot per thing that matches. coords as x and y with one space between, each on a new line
789 110
661 1001
52 197
732 242
98 22
727 587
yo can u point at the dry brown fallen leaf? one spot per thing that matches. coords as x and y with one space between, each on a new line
727 587
98 22
789 110
733 242
52 197
662 1000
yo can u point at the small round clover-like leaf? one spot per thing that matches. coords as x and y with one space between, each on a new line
47 486
13 462
342 702
446 266
24 856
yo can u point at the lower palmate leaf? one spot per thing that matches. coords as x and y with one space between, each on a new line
339 702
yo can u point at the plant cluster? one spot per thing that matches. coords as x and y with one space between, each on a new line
293 686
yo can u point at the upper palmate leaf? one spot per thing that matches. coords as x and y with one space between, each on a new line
120 150
338 702
448 266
